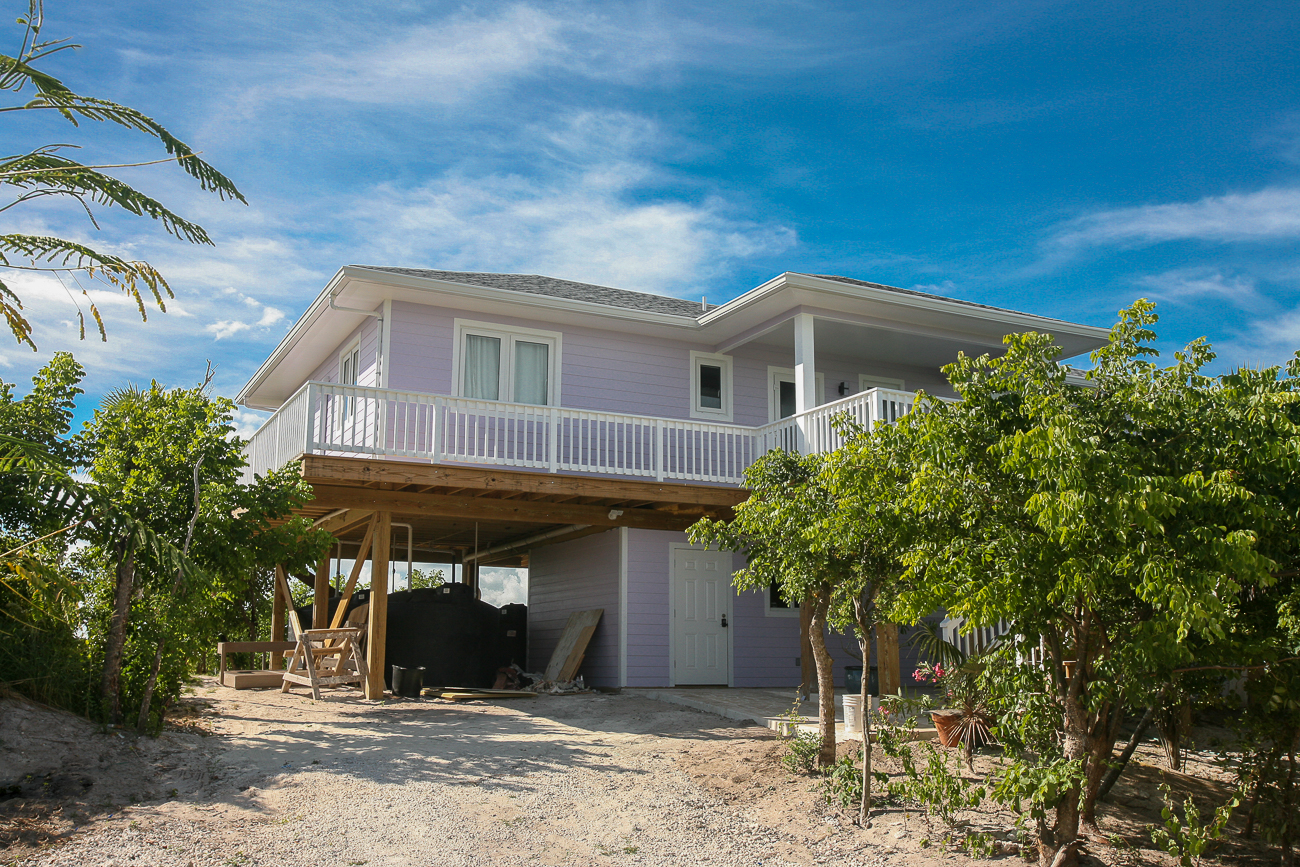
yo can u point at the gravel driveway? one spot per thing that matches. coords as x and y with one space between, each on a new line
587 779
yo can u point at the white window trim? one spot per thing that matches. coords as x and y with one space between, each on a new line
693 385
868 381
491 329
769 611
353 345
773 402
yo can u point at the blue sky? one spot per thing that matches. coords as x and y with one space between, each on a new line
1058 158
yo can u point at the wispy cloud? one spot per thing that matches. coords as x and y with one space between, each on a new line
1197 284
583 216
1271 214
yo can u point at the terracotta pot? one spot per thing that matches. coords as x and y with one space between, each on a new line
949 725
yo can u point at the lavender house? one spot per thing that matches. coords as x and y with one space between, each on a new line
510 419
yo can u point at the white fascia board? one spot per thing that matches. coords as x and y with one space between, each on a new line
1013 320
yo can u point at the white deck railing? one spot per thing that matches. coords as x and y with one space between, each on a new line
353 420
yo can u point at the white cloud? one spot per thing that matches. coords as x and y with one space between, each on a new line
1271 214
1194 284
247 421
583 218
503 586
223 328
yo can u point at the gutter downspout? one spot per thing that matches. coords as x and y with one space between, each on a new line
380 359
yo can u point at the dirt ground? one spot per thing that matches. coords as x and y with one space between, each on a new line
257 778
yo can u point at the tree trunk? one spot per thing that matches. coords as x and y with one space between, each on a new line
825 676
142 722
1102 735
1113 774
110 685
861 612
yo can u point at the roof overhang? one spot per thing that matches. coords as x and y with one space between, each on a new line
751 316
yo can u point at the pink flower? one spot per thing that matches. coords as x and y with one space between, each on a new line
918 675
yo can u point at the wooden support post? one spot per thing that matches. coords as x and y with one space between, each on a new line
887 658
278 608
362 553
321 604
377 631
470 576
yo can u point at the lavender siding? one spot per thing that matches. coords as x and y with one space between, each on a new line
613 371
574 576
649 627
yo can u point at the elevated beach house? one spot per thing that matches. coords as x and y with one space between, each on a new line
510 419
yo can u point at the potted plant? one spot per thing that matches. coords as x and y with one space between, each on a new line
964 718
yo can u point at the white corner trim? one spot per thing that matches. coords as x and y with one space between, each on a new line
622 606
386 343
697 411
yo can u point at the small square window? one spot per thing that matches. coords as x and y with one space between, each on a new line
710 386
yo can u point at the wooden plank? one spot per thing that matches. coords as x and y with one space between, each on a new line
327 469
362 553
321 601
493 509
484 695
573 645
377 633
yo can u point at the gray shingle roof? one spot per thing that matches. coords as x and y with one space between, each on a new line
535 284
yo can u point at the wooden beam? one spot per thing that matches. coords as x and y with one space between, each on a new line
340 524
335 470
517 551
377 633
362 553
492 509
321 603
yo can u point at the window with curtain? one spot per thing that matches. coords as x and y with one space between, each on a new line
482 367
501 365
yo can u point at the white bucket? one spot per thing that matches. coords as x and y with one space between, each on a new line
852 713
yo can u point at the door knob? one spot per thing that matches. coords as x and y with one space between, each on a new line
724 621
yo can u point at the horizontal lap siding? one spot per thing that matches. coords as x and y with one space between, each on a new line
575 576
368 331
421 340
648 571
766 647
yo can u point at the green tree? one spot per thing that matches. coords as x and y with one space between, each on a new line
1113 520
47 171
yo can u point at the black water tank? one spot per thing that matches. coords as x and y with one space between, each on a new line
514 635
307 612
446 630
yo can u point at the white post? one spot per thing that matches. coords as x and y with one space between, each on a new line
805 375
309 445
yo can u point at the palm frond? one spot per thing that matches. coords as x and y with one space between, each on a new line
11 308
45 173
928 638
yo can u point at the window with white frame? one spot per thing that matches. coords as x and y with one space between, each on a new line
868 381
507 363
776 606
711 386
349 373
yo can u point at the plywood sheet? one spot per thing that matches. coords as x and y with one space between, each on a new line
573 645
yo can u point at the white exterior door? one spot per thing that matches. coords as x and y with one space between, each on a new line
701 606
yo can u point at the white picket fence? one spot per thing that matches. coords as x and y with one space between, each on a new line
353 420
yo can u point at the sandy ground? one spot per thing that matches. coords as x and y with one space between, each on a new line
257 778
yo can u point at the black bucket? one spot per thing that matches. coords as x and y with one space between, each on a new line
853 680
408 682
